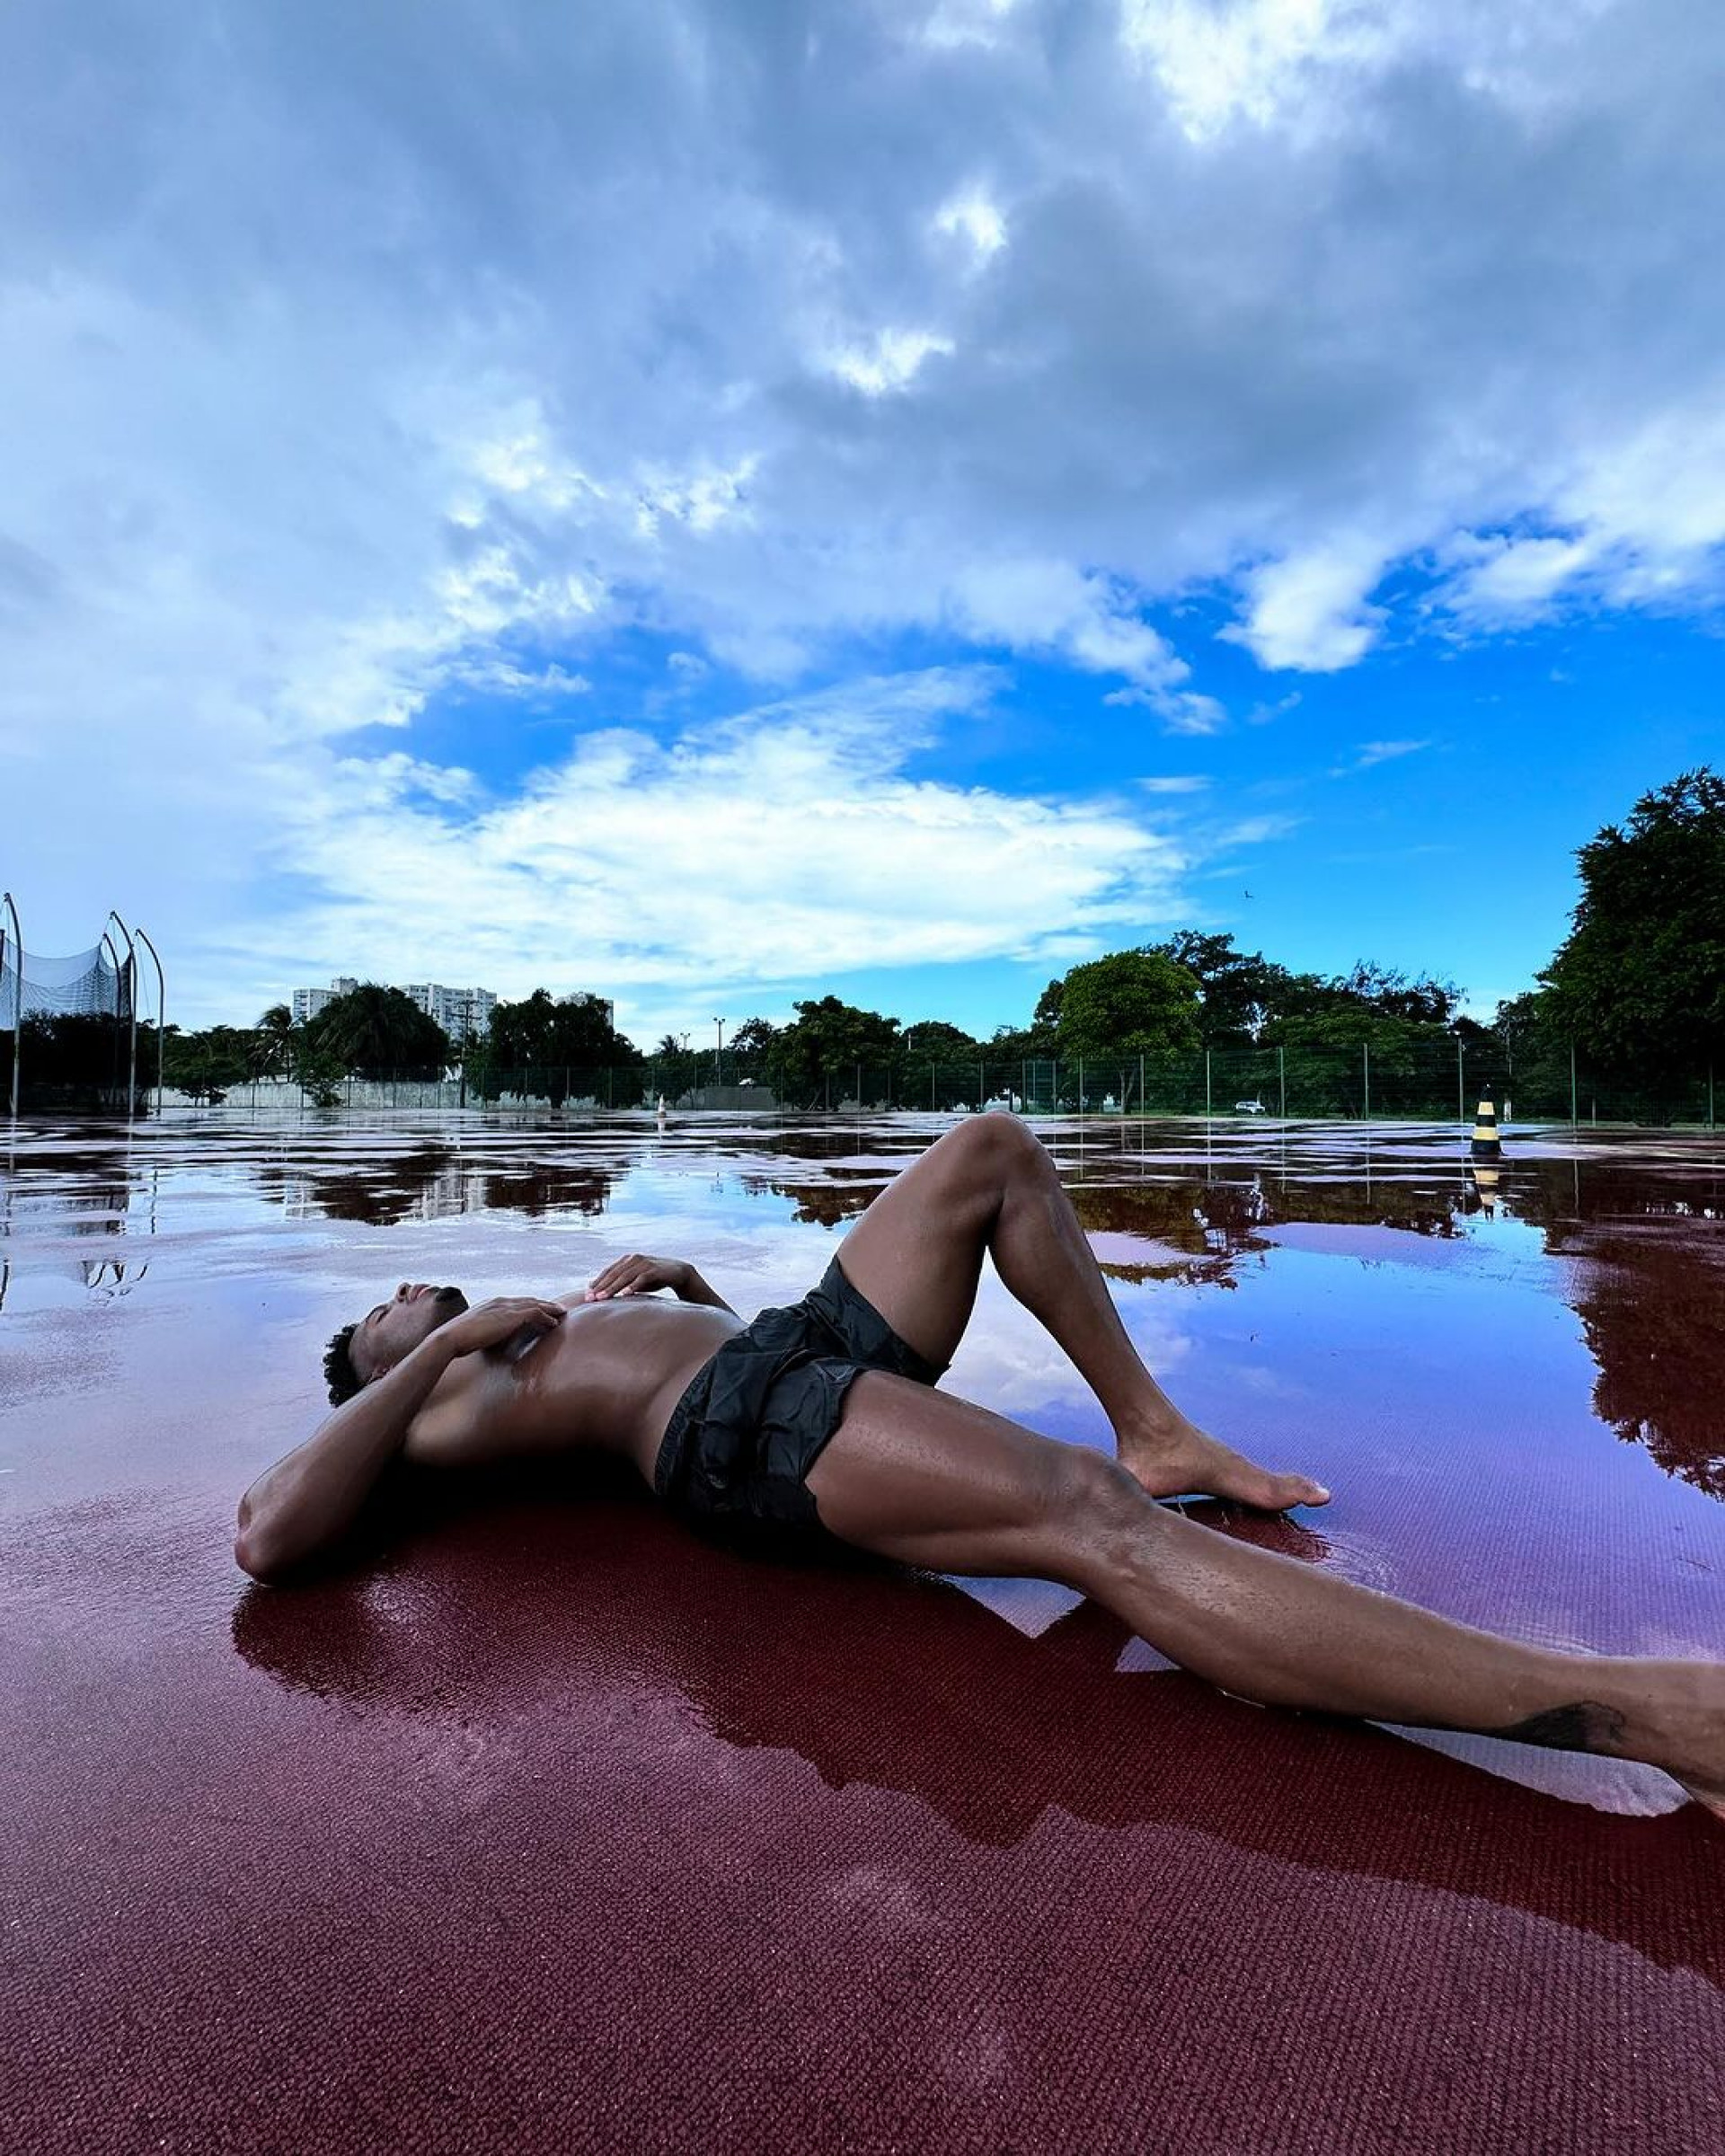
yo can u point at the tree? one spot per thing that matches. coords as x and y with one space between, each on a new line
204 1065
549 1039
1639 981
1427 1001
826 1048
374 1032
751 1045
1132 1002
1238 990
273 1043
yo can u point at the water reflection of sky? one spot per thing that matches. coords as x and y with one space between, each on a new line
1512 1381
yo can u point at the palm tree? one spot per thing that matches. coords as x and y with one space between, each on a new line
272 1044
379 1032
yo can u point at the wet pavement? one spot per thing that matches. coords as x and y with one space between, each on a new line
556 1829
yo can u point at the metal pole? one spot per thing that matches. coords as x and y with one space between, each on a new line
1710 1094
1574 1103
1206 1085
982 1086
931 1089
131 970
114 952
1281 1081
161 1015
18 1011
858 1086
1081 1085
1140 1091
1366 1053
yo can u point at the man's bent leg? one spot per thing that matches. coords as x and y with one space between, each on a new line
990 1185
932 1481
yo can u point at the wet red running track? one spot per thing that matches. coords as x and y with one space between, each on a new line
554 1829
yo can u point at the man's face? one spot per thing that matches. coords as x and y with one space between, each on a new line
395 1328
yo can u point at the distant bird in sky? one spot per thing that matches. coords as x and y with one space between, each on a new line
1248 893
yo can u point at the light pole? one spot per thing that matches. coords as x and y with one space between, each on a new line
18 1005
719 1059
160 1016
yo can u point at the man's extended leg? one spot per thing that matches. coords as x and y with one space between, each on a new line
990 1185
933 1480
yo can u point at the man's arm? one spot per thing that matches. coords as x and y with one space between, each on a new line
305 1504
637 1276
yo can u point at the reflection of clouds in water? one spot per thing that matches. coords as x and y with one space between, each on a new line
1007 1362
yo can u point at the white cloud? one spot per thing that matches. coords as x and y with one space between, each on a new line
1191 782
1309 611
1219 61
344 367
973 216
1371 753
889 361
787 844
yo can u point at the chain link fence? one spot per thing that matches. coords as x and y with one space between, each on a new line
1423 1081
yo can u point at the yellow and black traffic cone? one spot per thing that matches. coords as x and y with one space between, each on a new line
1485 1187
1484 1145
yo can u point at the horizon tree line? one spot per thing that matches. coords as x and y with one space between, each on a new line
1640 979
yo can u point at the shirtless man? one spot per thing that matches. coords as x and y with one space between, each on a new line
822 1419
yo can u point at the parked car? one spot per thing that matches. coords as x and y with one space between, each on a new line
1249 1108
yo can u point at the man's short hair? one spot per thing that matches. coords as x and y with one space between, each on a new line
342 1379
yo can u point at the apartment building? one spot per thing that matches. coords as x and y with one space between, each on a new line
463 1013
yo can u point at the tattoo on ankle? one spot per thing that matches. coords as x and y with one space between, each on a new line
1586 1727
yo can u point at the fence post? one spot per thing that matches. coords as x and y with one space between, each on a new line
1281 1083
1574 1103
981 1088
1140 1089
931 1089
1461 1095
1206 1084
1366 1053
1710 1094
859 1087
1081 1085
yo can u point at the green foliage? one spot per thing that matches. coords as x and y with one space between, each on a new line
547 1042
821 1051
1132 1002
1238 990
376 1032
80 1057
934 1040
205 1066
1640 978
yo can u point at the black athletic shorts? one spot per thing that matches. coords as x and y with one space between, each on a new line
755 1418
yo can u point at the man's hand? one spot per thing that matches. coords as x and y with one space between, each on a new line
637 1276
500 1320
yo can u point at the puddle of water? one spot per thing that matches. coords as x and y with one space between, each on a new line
1512 1381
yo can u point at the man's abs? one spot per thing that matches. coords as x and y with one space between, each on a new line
605 1380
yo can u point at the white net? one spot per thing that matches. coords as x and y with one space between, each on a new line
86 984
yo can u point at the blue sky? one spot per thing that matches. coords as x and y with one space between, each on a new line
712 503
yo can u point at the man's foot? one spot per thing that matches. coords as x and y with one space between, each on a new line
1182 1460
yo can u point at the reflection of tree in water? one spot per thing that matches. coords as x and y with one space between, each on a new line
545 1187
1209 1222
820 1205
1653 1310
1649 1286
537 1616
436 1182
